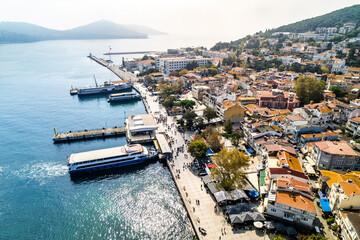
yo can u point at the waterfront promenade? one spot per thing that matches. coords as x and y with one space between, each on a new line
191 187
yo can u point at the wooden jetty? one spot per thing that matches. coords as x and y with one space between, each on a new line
89 134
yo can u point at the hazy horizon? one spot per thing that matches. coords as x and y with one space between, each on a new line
226 19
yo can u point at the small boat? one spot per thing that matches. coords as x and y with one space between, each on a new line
123 96
109 158
202 230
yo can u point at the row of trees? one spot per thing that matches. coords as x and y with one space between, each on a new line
230 162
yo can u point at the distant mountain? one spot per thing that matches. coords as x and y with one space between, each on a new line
333 19
144 29
18 32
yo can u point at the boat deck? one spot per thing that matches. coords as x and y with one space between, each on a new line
89 134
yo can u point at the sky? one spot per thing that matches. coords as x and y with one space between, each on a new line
231 19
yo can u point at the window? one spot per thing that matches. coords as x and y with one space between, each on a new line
304 219
273 210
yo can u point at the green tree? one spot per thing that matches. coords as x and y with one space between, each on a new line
183 72
213 71
189 104
209 113
189 117
278 237
308 89
324 70
230 168
164 90
197 149
214 141
316 237
199 123
228 127
337 91
208 131
235 137
169 101
192 65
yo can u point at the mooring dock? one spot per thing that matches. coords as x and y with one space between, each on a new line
89 134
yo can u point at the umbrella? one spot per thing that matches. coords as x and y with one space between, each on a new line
258 224
253 194
270 224
280 227
258 216
246 217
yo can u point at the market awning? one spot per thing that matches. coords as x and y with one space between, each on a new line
325 205
262 177
209 151
249 150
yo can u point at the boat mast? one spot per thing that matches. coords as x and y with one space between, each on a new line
109 55
95 80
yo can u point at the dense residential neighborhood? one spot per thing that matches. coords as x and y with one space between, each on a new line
287 103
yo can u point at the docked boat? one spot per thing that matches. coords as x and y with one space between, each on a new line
107 87
109 158
123 96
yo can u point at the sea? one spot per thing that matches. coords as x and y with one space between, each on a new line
38 198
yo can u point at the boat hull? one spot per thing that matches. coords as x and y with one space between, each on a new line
112 165
102 91
123 99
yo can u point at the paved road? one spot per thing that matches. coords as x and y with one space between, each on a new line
191 186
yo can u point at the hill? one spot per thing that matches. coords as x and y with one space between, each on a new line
20 32
332 19
101 30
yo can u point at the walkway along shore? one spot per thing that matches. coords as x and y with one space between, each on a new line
200 206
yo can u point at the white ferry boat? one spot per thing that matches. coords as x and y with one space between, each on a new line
106 88
109 158
123 96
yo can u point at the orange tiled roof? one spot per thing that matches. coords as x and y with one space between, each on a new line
298 185
291 160
350 188
295 200
335 177
338 148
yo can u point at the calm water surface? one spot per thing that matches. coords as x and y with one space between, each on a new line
38 199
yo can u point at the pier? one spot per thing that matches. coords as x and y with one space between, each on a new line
114 68
89 134
125 53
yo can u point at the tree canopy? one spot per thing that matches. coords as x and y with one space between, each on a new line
228 127
189 116
215 142
235 137
209 113
189 104
197 149
230 168
192 65
337 91
308 89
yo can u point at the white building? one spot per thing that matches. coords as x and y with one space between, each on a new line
173 64
292 206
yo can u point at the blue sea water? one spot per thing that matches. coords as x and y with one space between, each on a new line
38 199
